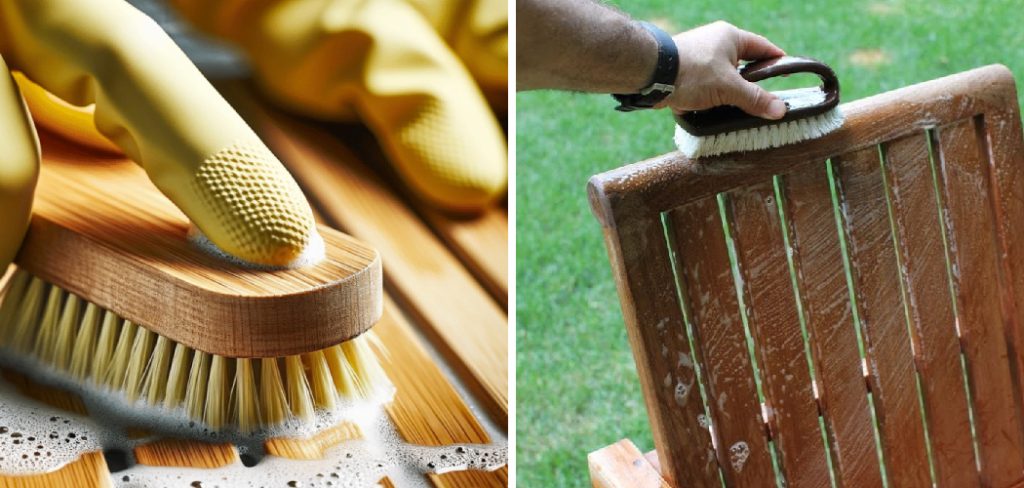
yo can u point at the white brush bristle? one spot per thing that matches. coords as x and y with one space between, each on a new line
763 137
102 351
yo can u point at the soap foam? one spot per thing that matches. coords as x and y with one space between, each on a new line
60 437
314 252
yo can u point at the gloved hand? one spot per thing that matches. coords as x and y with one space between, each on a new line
384 63
157 108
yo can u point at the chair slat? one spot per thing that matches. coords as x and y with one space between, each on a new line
1007 166
650 306
775 324
930 304
825 295
710 296
971 229
887 344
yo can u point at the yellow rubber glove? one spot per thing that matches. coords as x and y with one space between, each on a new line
19 167
380 61
477 30
156 106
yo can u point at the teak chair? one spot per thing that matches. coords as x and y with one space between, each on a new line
847 309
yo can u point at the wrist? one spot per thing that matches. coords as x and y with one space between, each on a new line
660 78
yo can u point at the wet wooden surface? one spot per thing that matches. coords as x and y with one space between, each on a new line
923 266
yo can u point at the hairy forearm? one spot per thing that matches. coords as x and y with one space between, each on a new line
581 45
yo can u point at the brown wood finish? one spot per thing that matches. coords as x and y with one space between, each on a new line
775 325
128 252
888 351
728 375
970 224
654 323
828 313
427 279
899 273
926 280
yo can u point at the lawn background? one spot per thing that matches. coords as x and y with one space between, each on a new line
577 389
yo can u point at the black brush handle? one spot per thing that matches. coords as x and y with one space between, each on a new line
727 118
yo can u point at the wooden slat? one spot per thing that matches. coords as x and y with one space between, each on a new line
828 312
313 447
654 324
931 312
883 322
464 321
710 296
1006 161
178 452
621 465
775 324
971 228
90 471
481 242
427 410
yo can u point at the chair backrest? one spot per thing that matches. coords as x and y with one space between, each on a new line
848 307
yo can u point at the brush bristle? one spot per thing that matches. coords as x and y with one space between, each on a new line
98 349
774 135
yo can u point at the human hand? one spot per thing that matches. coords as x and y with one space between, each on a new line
157 108
708 58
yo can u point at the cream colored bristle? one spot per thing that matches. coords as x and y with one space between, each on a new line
195 391
14 293
122 352
156 372
96 347
177 377
47 333
341 372
105 345
27 318
67 327
273 403
84 350
299 398
217 393
137 361
320 380
367 370
247 412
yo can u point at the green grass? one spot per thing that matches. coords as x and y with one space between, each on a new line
576 383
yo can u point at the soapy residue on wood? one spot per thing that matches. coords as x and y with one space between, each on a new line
38 438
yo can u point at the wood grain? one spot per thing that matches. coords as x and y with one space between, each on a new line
818 259
622 465
971 229
888 351
427 280
481 242
654 324
775 325
931 309
728 376
128 252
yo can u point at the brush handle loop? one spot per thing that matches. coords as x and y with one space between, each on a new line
788 65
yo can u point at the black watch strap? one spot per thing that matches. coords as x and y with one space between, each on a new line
662 82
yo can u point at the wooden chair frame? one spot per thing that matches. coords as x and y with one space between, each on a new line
847 308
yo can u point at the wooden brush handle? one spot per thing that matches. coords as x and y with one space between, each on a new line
101 230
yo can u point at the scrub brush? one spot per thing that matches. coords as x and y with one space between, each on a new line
811 113
109 295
